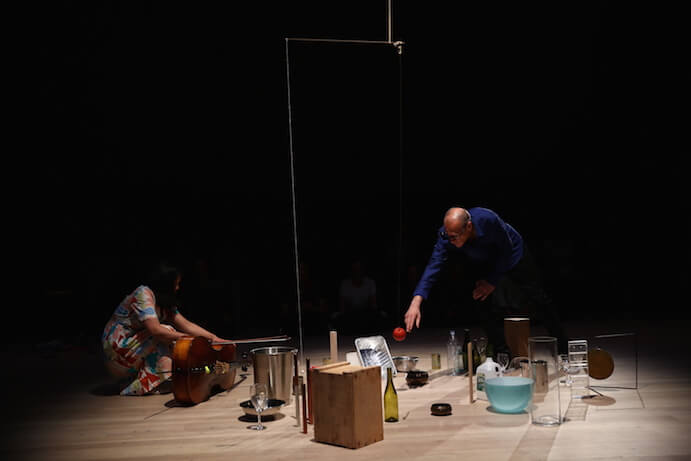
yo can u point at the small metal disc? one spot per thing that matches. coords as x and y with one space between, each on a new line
600 364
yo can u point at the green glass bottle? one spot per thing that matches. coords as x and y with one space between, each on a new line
476 359
390 399
490 352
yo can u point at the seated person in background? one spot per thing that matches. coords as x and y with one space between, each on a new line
315 308
138 339
357 303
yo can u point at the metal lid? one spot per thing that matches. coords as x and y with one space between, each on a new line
274 350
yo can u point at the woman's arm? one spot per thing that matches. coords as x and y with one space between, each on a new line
162 332
191 328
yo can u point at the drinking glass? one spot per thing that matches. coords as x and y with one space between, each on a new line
259 398
544 363
436 361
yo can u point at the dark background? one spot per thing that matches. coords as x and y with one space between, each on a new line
162 129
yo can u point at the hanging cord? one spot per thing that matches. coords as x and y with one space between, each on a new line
400 180
399 49
295 218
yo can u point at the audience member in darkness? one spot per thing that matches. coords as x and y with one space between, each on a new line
137 340
507 275
315 308
357 303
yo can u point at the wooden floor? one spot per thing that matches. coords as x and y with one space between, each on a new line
61 407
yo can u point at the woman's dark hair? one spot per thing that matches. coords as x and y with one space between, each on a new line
161 278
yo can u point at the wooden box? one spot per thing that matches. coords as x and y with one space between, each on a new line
347 404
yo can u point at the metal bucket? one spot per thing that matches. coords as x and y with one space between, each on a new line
274 366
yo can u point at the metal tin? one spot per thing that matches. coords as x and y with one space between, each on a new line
373 350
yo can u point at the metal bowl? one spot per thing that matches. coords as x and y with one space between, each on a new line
274 407
441 409
405 363
416 378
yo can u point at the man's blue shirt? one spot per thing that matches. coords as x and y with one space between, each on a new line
496 245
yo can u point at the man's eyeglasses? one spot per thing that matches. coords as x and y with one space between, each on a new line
454 237
450 238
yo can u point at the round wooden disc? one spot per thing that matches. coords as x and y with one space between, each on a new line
600 364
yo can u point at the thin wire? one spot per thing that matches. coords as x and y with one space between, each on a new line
400 180
389 28
333 40
292 171
293 195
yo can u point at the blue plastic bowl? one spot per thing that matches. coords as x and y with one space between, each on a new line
509 394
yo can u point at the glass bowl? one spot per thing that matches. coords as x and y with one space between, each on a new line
509 394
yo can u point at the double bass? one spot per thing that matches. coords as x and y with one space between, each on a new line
200 366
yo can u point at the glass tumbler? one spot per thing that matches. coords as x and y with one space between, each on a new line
544 362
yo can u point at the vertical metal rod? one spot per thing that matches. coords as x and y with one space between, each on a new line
304 407
400 186
309 391
470 372
293 196
389 23
299 414
635 349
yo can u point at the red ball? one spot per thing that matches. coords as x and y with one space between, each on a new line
399 334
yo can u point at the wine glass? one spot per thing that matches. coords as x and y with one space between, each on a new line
481 345
564 375
259 399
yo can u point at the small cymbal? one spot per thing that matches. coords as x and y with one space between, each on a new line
600 364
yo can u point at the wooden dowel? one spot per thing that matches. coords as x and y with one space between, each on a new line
333 340
297 381
470 371
332 365
309 390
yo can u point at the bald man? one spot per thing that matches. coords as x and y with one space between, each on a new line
498 252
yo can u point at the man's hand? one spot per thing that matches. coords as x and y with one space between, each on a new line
482 289
413 314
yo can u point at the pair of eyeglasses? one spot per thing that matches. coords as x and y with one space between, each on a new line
450 238
453 238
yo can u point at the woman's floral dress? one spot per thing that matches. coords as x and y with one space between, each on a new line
130 349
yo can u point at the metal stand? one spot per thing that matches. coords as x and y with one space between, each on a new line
398 45
635 349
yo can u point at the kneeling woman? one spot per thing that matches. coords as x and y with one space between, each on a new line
138 339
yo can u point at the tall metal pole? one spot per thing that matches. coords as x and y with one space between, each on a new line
389 24
295 217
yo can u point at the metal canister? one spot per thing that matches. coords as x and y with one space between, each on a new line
273 366
540 376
